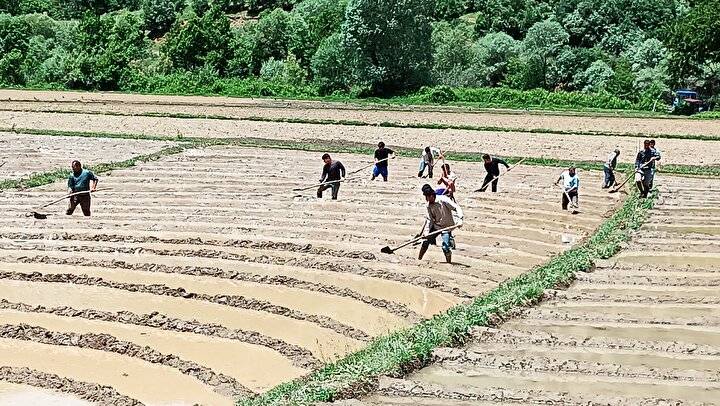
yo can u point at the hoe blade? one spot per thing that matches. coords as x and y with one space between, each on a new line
386 250
39 216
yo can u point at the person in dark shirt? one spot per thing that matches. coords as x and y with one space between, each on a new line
382 154
81 180
645 168
334 172
492 166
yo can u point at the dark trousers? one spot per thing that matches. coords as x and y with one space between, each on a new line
83 200
573 195
493 184
609 178
646 184
335 186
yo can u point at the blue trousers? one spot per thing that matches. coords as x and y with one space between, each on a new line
447 241
609 177
380 170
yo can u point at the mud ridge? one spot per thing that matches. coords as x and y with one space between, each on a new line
601 317
92 392
408 389
356 269
279 280
567 297
266 245
656 280
222 384
514 337
163 290
299 356
458 360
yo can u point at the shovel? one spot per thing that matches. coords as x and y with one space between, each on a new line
41 216
387 250
497 177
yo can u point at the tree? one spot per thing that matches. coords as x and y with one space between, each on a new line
160 15
389 43
694 43
452 53
310 22
513 17
257 42
595 78
542 45
494 52
200 42
329 65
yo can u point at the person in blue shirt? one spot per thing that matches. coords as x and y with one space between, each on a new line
81 180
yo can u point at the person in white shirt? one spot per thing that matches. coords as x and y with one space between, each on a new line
441 213
571 184
427 160
448 180
609 169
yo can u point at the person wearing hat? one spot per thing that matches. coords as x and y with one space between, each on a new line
80 180
571 185
333 171
381 161
609 169
440 210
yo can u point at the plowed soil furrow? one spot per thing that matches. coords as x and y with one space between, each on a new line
27 154
300 357
83 390
209 257
223 384
642 328
162 290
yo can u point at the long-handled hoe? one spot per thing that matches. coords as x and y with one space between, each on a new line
367 166
41 216
387 250
617 189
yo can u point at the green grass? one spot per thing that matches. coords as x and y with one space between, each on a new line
398 352
362 148
40 179
708 115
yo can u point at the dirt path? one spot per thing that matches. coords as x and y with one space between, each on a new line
201 266
558 146
642 329
286 109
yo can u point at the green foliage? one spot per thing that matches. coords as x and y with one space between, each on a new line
514 17
595 78
388 43
311 21
453 55
537 65
200 42
329 65
257 42
494 53
288 71
160 15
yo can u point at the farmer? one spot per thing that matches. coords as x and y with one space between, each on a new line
382 155
81 180
427 160
645 168
492 167
609 169
571 184
334 172
657 164
448 180
440 215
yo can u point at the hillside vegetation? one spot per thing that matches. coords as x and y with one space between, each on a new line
616 54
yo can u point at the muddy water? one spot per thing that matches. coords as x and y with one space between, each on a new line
14 394
149 383
360 315
215 353
322 342
484 379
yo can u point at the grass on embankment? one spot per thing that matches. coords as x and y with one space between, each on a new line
45 178
386 124
361 148
401 351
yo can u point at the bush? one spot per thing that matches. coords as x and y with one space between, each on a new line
441 95
389 43
329 66
200 42
595 78
160 15
287 71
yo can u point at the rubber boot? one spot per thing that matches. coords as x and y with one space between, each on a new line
448 257
420 174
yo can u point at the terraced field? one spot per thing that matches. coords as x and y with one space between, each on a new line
205 274
27 154
642 329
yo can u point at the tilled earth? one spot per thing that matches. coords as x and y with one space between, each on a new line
27 154
293 109
642 329
207 276
557 146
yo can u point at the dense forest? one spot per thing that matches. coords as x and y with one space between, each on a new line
607 53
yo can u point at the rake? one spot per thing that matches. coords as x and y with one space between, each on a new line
387 250
41 216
